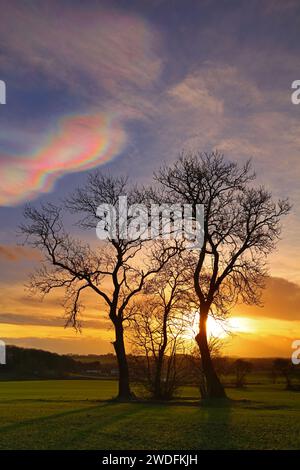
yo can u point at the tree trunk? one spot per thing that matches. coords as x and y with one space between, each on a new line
157 392
214 388
124 393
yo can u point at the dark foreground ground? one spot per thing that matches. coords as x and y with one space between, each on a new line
74 414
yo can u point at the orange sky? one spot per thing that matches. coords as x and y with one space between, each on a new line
27 321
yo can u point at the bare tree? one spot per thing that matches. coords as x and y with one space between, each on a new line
284 367
159 323
241 368
241 227
115 269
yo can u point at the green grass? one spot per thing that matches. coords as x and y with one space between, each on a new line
74 415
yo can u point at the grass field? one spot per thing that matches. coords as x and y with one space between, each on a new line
74 415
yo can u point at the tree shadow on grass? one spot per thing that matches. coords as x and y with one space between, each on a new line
82 423
188 401
46 418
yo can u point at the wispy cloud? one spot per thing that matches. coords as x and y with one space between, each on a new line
84 48
106 58
49 320
281 301
79 143
17 253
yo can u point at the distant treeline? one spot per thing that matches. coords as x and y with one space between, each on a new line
35 363
25 363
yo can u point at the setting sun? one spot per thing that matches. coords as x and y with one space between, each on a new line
223 329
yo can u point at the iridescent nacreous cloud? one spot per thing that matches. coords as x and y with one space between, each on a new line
80 142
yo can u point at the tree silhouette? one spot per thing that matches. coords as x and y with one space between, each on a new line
159 321
241 227
110 269
284 367
241 368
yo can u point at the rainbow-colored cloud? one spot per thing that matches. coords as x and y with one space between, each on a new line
79 143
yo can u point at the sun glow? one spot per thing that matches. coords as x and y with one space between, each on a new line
223 329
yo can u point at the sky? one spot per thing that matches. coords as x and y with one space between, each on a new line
125 86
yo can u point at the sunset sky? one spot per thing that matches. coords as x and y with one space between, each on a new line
125 86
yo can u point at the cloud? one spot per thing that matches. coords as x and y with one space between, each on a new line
79 143
213 86
17 253
202 110
75 345
255 345
30 320
106 58
83 48
281 300
196 95
49 320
